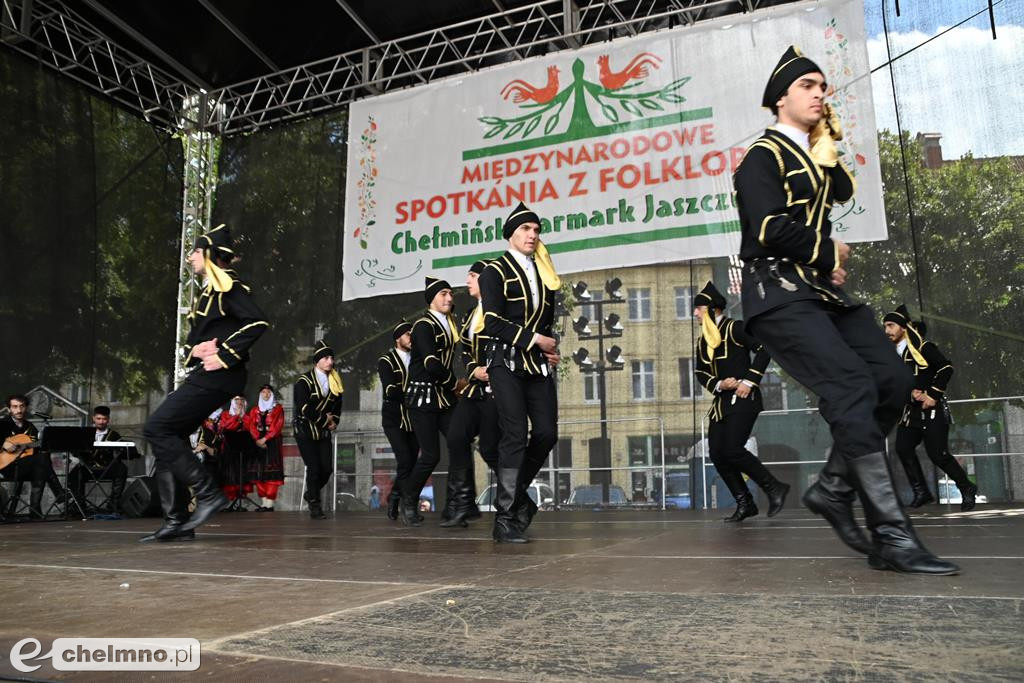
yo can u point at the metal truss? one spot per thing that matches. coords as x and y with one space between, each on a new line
57 37
504 36
201 151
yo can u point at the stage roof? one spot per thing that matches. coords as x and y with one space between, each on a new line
243 65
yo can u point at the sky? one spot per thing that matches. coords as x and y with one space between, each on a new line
964 84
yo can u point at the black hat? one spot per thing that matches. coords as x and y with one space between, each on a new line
266 386
322 350
219 242
519 215
432 286
710 296
478 266
101 410
792 66
901 316
400 329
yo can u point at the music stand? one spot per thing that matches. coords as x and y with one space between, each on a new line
242 443
68 440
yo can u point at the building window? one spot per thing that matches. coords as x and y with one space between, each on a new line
639 303
591 387
684 303
643 380
685 378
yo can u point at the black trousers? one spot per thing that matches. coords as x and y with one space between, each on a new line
935 436
528 419
318 456
844 358
168 429
727 446
405 447
472 418
429 426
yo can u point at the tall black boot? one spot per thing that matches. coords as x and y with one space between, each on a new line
955 471
394 501
832 497
506 526
462 504
174 503
408 512
915 476
745 506
209 498
313 502
774 489
895 546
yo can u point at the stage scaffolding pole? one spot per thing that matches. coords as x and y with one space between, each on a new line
201 143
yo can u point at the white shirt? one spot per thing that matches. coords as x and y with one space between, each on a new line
801 137
901 346
406 357
443 319
321 378
102 435
530 268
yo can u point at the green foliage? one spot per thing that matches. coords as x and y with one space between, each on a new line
969 225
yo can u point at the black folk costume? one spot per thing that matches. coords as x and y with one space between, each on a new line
816 332
518 296
393 372
317 407
475 415
429 395
932 372
224 310
724 351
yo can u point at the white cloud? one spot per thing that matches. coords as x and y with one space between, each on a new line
963 85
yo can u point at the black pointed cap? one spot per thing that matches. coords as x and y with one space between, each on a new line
519 215
792 66
710 296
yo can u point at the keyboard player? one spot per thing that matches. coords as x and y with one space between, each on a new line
103 463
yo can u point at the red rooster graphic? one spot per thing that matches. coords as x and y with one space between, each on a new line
521 91
637 68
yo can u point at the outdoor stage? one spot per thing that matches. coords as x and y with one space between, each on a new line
609 595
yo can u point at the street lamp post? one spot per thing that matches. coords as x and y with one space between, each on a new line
608 327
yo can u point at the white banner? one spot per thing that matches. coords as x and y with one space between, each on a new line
625 149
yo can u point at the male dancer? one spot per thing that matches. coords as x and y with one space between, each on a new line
724 368
794 304
393 371
475 414
518 295
317 396
226 322
430 394
926 416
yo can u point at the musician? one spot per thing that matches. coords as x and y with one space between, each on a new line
101 463
265 422
35 466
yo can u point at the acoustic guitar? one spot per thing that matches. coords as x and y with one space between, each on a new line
22 445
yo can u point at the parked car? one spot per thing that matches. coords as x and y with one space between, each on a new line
949 493
539 492
590 495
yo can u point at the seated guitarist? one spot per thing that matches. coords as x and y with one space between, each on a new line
102 463
29 463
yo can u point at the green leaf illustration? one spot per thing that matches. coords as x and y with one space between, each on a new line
651 104
534 122
514 129
610 113
494 131
631 108
550 125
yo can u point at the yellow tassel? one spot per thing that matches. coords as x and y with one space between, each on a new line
215 275
334 383
912 334
454 328
476 323
545 268
712 335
